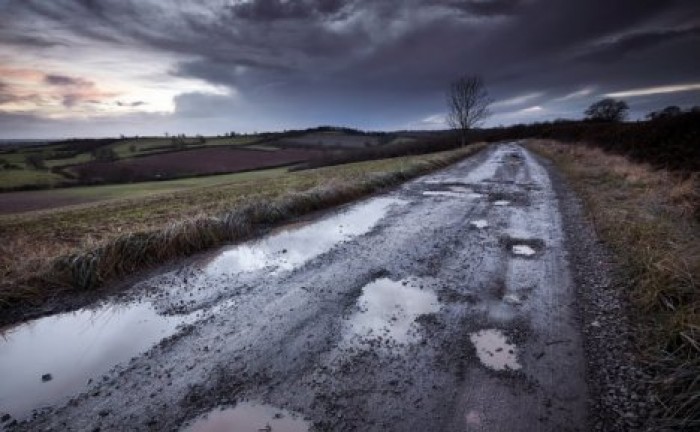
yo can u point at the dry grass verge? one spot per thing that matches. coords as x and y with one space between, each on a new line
50 253
650 219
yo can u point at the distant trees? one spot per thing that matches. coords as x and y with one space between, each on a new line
36 161
104 154
178 141
669 111
609 110
467 103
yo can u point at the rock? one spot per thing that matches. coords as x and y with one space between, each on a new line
5 418
46 377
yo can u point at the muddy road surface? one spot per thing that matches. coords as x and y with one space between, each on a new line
445 305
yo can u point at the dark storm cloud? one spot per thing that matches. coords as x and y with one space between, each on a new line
270 10
367 60
130 104
616 50
62 80
483 8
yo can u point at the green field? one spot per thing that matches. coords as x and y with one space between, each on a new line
60 155
136 190
24 177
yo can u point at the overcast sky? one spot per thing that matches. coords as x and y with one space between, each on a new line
107 67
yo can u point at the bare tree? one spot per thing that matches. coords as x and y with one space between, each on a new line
468 103
609 110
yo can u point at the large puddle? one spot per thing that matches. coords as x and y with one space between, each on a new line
51 358
248 417
388 310
291 248
494 350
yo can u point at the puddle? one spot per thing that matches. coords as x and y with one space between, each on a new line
494 351
388 310
455 192
523 250
50 358
480 223
501 203
291 248
249 417
523 247
512 299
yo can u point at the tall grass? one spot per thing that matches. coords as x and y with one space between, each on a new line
650 219
90 267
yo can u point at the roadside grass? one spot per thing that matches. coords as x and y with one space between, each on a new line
46 254
651 219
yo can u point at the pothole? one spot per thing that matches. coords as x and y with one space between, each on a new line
523 250
251 417
48 359
512 299
494 350
294 246
502 199
479 223
523 247
387 311
452 190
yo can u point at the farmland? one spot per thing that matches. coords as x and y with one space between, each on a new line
123 160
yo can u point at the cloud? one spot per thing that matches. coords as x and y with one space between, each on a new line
617 48
517 100
648 91
365 63
62 80
584 92
484 7
532 109
272 10
130 104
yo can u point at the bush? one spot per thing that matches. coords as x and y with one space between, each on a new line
104 154
35 161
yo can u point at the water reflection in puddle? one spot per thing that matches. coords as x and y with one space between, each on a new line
494 351
53 357
388 310
523 250
291 248
248 417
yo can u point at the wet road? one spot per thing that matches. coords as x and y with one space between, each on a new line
445 305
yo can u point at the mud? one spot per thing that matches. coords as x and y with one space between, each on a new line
378 330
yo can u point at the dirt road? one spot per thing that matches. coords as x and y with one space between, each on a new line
445 305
